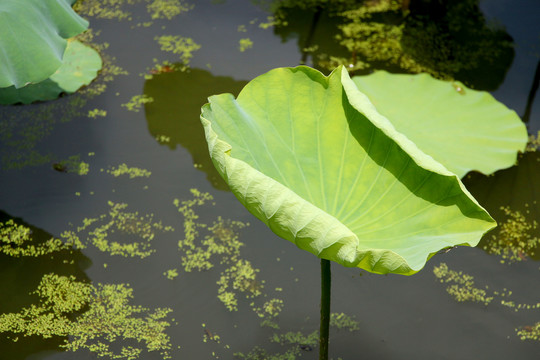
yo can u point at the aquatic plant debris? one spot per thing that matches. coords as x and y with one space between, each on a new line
93 318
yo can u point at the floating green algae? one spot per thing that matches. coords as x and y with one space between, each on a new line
461 286
133 172
245 44
136 102
221 245
269 311
529 332
119 9
171 274
92 318
343 322
16 240
534 142
297 343
515 238
73 164
167 9
136 231
183 47
97 113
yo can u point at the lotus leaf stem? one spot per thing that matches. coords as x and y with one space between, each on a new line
325 309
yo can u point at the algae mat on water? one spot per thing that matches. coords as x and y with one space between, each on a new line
311 157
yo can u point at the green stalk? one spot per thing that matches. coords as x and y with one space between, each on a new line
325 309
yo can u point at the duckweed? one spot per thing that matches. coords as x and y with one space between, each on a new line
221 245
126 225
75 165
296 342
461 286
534 143
17 241
133 172
245 44
136 102
115 9
178 45
171 274
529 332
167 9
342 321
269 312
97 113
94 318
514 240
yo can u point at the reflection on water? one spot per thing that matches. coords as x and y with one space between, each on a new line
450 40
174 113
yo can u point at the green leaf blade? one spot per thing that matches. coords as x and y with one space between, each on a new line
309 162
33 39
486 134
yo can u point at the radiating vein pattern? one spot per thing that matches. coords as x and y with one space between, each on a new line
310 156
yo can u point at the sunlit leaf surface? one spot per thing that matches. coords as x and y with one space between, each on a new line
311 157
463 129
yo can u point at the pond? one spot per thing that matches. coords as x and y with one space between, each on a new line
156 258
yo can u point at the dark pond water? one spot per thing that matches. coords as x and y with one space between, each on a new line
160 146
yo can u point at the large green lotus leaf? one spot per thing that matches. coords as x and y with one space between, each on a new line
311 157
463 129
33 37
80 66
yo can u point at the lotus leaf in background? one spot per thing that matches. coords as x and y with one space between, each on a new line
461 128
33 38
311 157
80 66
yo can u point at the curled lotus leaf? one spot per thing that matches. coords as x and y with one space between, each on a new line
80 66
33 38
311 157
462 128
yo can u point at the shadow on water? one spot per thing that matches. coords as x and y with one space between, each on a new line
19 278
173 116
